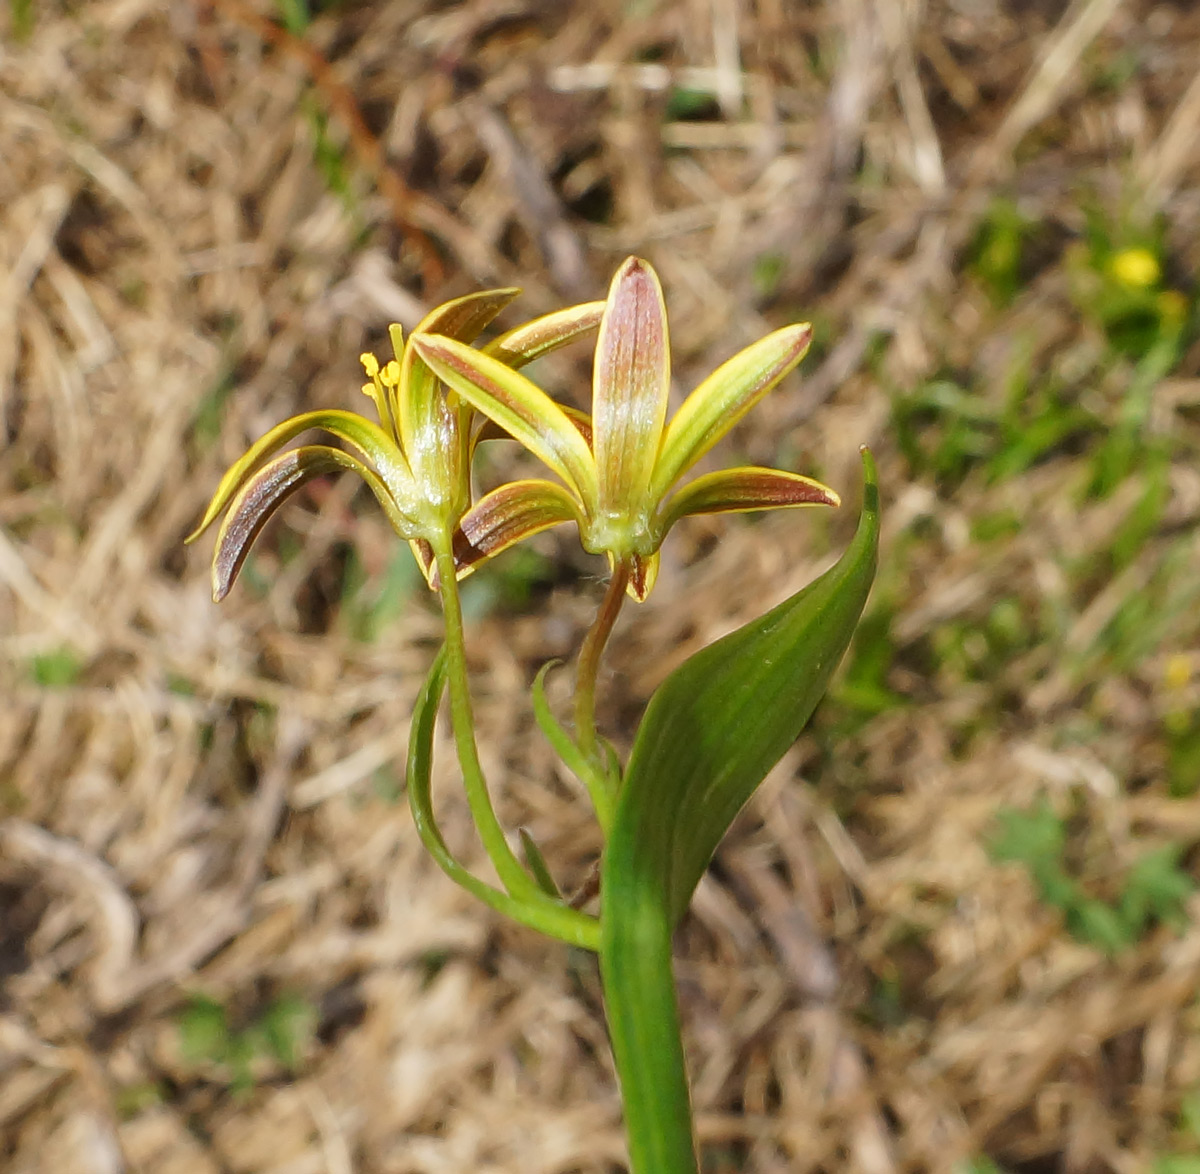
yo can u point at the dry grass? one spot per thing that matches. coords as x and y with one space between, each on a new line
201 799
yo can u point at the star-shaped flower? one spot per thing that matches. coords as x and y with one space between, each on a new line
619 473
416 460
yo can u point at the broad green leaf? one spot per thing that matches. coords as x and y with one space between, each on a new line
723 399
520 407
720 721
629 387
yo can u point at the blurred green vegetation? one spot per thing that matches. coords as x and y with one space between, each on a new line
1152 891
281 1035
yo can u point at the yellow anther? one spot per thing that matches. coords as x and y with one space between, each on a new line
370 365
1137 268
369 389
390 375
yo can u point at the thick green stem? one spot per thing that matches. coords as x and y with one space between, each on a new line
589 659
514 877
643 1020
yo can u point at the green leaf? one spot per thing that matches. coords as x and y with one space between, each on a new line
537 864
711 732
598 784
287 1029
204 1034
57 669
1034 838
1157 888
549 916
719 722
1099 925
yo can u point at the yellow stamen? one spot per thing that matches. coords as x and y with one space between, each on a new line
390 375
370 365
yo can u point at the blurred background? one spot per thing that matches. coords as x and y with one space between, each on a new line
955 931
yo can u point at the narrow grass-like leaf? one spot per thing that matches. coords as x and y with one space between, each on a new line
537 864
549 916
599 786
719 722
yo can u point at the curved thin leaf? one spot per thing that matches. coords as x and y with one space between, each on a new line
547 915
719 722
599 786
537 864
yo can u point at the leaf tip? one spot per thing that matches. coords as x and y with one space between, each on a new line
870 478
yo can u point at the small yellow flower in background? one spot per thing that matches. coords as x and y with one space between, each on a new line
1137 268
619 471
1178 671
1172 307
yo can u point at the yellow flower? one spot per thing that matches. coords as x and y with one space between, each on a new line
1136 268
620 471
416 460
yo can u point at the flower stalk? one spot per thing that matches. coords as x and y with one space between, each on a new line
590 653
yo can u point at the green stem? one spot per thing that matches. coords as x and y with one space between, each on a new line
514 877
643 1021
589 659
550 916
